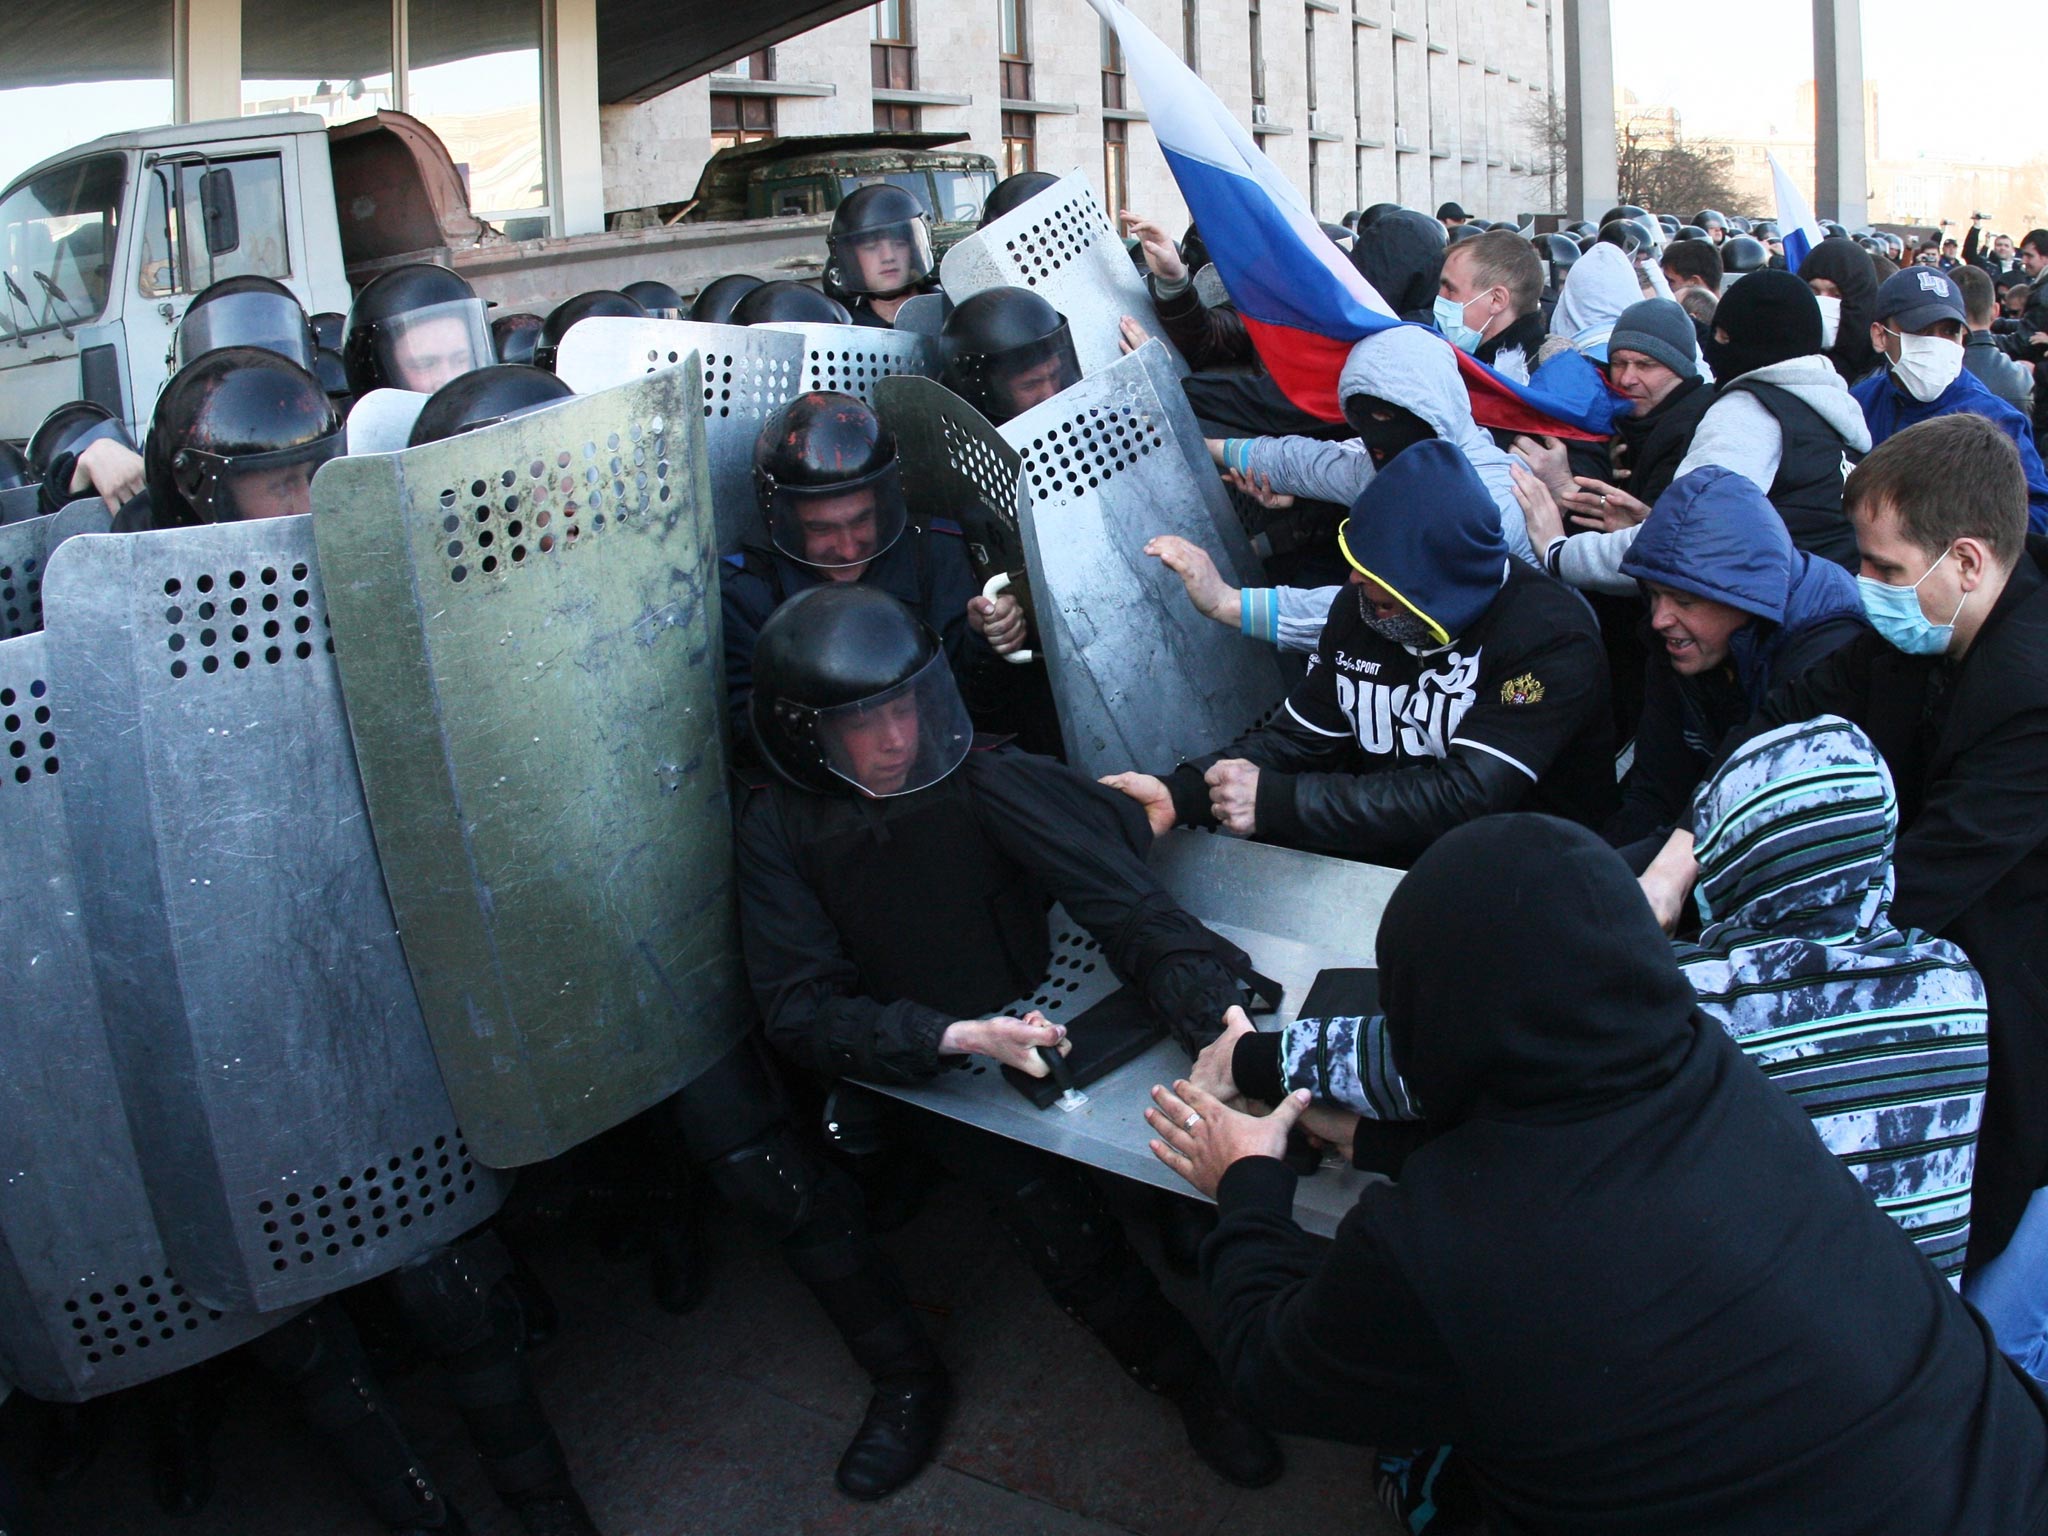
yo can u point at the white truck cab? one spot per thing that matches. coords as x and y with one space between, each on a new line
103 246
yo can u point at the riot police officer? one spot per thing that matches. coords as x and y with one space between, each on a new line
1007 350
1014 192
656 297
892 899
514 336
237 433
415 327
1714 222
880 247
715 300
247 311
598 302
82 446
783 300
484 398
830 492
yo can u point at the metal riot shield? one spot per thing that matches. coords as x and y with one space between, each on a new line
19 503
1061 245
853 359
1294 913
925 314
89 1303
382 420
1209 287
956 465
292 1125
25 550
1141 679
749 373
527 623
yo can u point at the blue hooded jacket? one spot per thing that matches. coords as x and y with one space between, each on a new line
1426 530
1888 410
1714 534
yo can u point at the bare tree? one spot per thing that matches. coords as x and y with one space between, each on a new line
1549 134
1659 170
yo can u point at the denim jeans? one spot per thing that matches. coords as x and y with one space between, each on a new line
2012 1291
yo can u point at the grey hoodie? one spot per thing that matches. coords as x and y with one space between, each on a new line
1736 433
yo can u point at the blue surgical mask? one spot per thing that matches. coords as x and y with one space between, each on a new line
1894 612
1450 319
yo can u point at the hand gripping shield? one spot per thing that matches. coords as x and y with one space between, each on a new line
1141 679
89 1302
293 1128
25 550
749 372
1060 244
1296 914
526 619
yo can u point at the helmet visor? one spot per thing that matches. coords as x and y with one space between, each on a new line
424 348
900 741
883 261
1005 384
267 320
837 527
242 487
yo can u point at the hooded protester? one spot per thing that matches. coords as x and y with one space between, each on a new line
1845 285
1919 327
1205 337
1878 1033
1602 284
1399 253
1734 611
1450 681
1622 1275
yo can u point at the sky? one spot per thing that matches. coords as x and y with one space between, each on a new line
1735 69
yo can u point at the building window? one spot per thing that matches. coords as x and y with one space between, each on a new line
479 88
1015 30
1020 142
1191 34
1116 163
1258 55
737 119
1315 185
892 58
1309 52
895 117
348 41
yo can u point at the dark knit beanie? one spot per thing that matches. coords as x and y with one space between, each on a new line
1662 331
1769 316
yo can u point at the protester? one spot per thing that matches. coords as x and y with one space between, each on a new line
1982 355
1844 284
1491 285
1692 265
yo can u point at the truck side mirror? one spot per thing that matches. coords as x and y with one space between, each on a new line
217 210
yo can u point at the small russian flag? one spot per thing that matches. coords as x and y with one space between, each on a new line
1798 229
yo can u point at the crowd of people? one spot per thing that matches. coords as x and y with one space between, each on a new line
1707 1068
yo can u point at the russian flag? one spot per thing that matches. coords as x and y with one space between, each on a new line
1798 229
1303 302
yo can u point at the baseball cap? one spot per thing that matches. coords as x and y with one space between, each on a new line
1916 297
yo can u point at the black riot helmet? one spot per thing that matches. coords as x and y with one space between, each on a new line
1469 230
1743 253
1623 211
1585 231
1557 253
514 336
656 297
237 434
605 303
15 469
414 327
65 433
483 398
880 243
1668 222
1013 192
828 483
329 369
1007 350
329 329
715 300
1691 232
1737 224
1765 229
1832 230
783 300
246 311
854 696
1626 233
1712 219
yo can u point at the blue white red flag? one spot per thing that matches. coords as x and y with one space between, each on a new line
1304 304
1798 229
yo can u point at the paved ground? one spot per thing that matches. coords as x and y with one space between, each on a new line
728 1422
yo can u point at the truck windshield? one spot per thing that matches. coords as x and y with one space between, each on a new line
58 235
916 183
961 195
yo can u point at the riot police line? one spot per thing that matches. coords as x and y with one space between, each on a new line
370 813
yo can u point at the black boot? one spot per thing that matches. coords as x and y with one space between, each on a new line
1079 1249
459 1312
320 1358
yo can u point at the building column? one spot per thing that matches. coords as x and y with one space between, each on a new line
207 71
571 118
1841 185
1590 175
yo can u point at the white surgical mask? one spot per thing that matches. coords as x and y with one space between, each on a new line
1830 318
1926 365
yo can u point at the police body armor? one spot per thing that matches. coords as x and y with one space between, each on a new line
526 621
292 1124
89 1301
1060 245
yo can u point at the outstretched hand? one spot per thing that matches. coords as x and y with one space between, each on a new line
1207 589
1149 792
1539 509
1160 252
1198 1136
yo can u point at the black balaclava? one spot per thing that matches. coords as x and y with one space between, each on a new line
1847 265
1769 317
1384 439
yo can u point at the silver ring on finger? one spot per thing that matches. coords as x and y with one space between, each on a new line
1603 501
1191 1122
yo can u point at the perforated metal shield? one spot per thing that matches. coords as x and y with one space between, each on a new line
1209 287
1061 245
749 373
1294 913
89 1302
528 629
382 420
293 1129
955 465
853 359
1141 679
25 550
19 503
925 313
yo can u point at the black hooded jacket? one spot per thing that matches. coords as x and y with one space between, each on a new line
1623 1276
1847 265
1401 254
